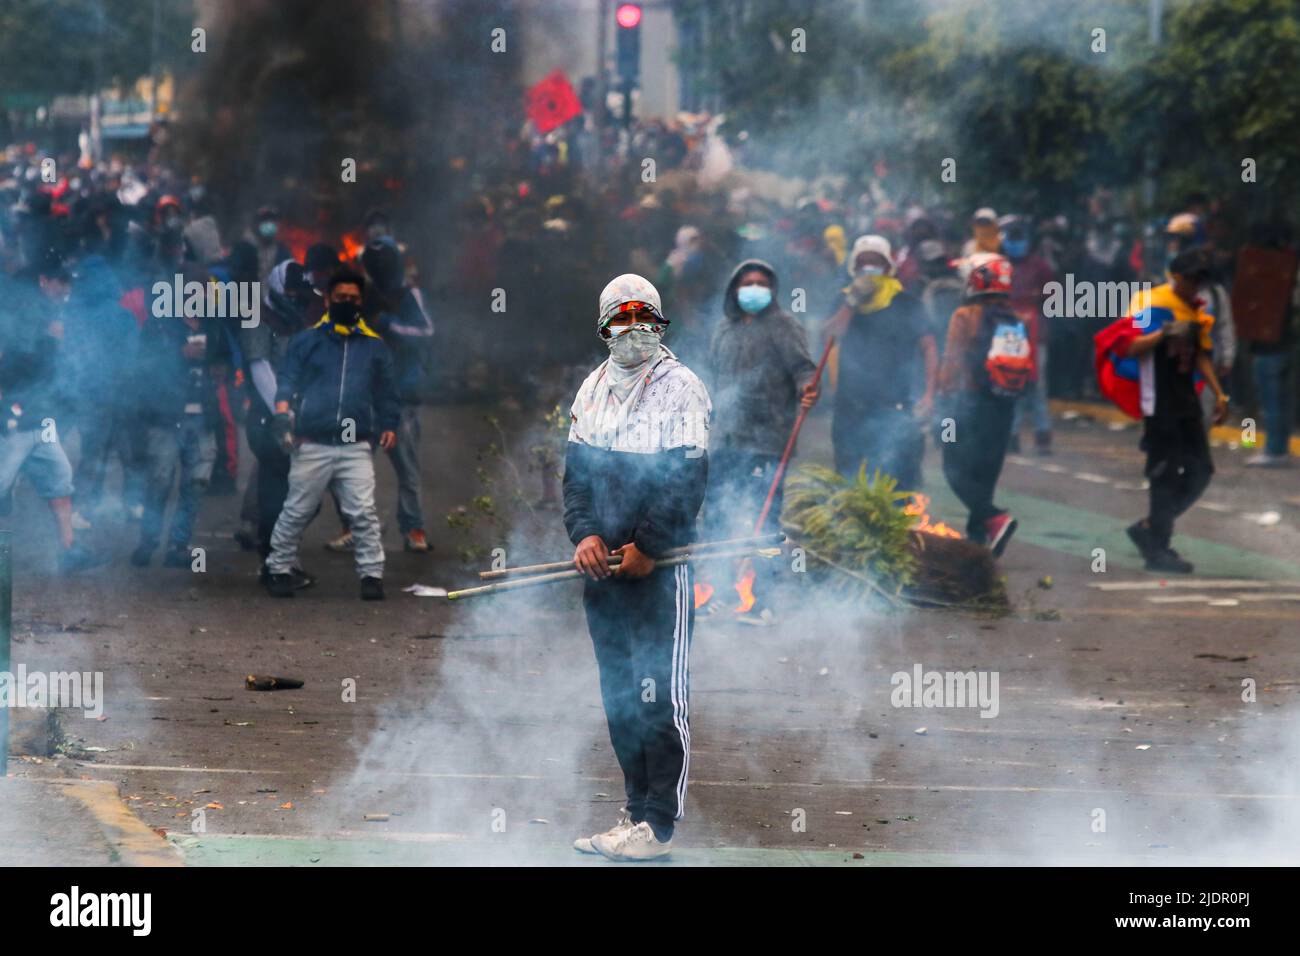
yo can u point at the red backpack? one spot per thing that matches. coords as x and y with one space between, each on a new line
1010 358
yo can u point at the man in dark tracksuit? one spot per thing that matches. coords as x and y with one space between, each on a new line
634 490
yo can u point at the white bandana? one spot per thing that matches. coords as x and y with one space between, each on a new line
654 407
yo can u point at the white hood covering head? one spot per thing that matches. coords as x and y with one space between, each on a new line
626 288
606 411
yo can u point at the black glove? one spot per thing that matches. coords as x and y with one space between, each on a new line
282 430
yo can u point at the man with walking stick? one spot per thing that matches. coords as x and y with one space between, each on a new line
634 476
760 374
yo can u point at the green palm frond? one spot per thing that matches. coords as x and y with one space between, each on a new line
858 524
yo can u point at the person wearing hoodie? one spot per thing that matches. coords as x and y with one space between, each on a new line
759 374
635 471
398 316
887 370
335 397
263 348
988 362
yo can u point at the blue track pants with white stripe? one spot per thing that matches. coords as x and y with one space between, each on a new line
641 631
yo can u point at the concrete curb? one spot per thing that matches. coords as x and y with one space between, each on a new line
135 843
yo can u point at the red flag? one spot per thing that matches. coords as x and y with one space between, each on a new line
552 102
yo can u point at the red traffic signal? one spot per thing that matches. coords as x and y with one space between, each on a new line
628 15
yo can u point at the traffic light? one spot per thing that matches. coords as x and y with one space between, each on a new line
628 18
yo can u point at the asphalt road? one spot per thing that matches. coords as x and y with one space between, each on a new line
1121 733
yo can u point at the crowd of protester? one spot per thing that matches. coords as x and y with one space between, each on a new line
94 343
902 287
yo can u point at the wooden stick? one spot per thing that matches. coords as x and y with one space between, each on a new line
789 445
574 573
615 559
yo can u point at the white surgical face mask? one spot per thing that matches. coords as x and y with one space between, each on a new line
630 347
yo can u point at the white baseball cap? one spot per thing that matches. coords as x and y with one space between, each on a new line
877 244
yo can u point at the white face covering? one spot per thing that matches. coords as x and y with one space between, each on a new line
633 346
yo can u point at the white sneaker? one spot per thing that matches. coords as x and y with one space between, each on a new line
1264 460
584 844
136 512
342 543
79 523
632 844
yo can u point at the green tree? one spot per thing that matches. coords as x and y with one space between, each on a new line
49 47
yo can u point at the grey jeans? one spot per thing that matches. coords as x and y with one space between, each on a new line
348 471
406 464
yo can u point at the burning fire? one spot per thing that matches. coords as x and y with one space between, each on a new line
745 588
352 248
918 508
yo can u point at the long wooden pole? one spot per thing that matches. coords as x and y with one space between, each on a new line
698 547
789 445
574 573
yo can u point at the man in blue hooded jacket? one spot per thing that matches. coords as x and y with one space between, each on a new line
337 378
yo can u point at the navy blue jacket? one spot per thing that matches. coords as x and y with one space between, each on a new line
649 499
329 378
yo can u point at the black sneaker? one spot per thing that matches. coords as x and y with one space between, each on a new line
177 558
1170 562
372 589
142 555
279 585
1140 535
77 558
301 579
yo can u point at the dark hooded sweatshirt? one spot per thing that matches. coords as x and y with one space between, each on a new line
756 372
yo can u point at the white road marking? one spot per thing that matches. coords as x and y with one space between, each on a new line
1215 584
750 784
1089 476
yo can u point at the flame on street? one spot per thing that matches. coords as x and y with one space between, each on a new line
918 508
745 588
702 594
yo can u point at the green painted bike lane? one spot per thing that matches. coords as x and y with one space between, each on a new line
415 850
1076 532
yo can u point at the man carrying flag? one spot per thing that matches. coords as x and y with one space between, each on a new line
1163 353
